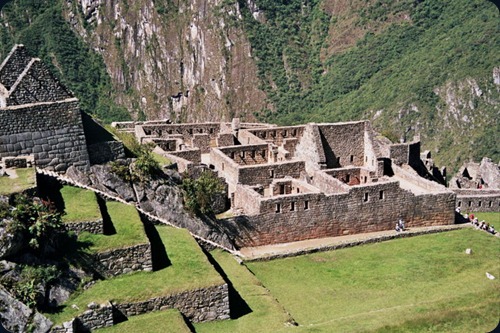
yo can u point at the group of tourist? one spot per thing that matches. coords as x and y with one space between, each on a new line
480 225
400 225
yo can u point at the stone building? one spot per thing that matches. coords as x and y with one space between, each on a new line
290 183
41 118
477 186
38 115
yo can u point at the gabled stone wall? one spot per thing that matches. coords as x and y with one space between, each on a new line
52 132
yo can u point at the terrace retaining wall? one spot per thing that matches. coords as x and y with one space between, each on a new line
125 260
94 227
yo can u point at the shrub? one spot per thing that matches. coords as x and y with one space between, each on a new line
40 223
200 193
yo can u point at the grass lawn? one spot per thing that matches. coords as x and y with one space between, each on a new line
26 178
266 314
190 269
79 204
128 226
169 321
490 217
419 284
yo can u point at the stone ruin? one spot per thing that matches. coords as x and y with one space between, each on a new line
40 117
291 183
285 183
477 186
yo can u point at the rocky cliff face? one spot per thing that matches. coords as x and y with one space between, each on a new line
188 60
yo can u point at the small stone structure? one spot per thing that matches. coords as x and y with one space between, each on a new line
291 183
477 186
199 305
38 115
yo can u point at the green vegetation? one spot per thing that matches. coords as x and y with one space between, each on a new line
128 226
266 314
169 321
38 224
405 50
26 178
425 283
26 287
190 269
41 27
490 217
79 205
199 194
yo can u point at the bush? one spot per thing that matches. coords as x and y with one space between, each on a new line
200 193
39 222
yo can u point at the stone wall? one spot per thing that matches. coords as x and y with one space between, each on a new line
52 132
343 143
310 149
192 155
103 152
94 227
328 184
265 174
17 162
478 200
277 135
226 166
365 208
248 154
199 305
246 137
399 153
225 139
169 144
201 141
186 130
15 63
36 84
125 260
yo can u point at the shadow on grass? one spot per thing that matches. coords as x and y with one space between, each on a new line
107 225
49 189
159 255
237 304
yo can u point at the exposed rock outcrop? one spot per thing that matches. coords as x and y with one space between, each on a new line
166 58
17 317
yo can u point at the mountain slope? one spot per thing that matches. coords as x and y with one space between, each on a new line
429 65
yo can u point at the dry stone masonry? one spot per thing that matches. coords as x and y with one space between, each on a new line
293 183
38 116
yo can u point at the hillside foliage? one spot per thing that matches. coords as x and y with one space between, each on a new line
424 64
41 27
389 75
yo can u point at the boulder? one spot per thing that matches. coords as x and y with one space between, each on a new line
10 244
17 317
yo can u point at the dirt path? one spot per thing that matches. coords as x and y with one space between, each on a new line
275 251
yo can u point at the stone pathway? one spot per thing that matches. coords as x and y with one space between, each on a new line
283 250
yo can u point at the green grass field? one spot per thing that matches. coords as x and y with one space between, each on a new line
420 284
169 321
79 205
190 269
490 217
128 225
26 178
266 314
